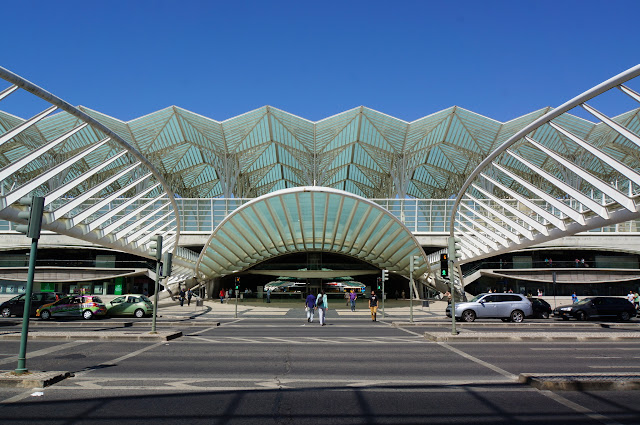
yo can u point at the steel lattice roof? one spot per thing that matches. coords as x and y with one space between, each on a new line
361 151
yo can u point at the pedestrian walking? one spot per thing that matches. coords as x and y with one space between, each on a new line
221 295
397 295
373 305
574 298
181 295
637 300
310 306
189 296
631 297
352 300
269 295
322 306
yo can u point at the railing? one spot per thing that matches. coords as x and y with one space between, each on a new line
419 215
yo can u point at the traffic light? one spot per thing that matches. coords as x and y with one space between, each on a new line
237 283
454 248
385 275
415 262
33 216
167 263
444 266
155 247
379 284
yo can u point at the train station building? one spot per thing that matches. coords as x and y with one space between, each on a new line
283 202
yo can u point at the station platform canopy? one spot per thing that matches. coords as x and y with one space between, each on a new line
307 219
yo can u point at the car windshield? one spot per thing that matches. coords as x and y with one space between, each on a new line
16 298
584 301
145 299
476 298
97 300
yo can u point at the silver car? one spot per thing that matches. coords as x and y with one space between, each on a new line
508 307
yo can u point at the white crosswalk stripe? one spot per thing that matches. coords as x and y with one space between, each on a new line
306 340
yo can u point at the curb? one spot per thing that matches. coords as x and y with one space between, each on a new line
95 336
528 337
31 379
582 381
90 324
519 325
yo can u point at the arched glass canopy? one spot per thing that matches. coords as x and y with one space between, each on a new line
310 219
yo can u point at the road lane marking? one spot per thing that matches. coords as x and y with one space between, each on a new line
301 340
233 321
578 408
119 359
292 341
201 331
615 367
20 397
480 362
598 357
44 351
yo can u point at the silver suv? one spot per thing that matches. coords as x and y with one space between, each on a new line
508 307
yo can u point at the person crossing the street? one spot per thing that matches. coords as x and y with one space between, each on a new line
373 305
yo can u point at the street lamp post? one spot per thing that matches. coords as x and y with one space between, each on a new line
32 230
156 251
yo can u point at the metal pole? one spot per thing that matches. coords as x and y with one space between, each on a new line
155 298
22 357
555 304
411 265
383 297
236 316
453 298
411 295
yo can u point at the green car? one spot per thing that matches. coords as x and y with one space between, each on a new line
130 304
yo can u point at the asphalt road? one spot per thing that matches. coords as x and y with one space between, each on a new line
288 371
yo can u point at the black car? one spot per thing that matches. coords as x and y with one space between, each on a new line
541 308
597 307
15 306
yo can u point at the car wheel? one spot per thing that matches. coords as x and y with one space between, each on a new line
545 315
87 314
517 316
581 315
625 316
468 316
45 315
139 313
6 312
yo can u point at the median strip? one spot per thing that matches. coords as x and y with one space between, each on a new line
96 335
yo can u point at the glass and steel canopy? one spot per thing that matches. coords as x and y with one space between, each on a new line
310 219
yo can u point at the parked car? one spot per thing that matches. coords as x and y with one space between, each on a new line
597 307
541 308
508 307
85 306
135 304
15 305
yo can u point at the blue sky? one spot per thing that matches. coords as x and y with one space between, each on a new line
314 59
